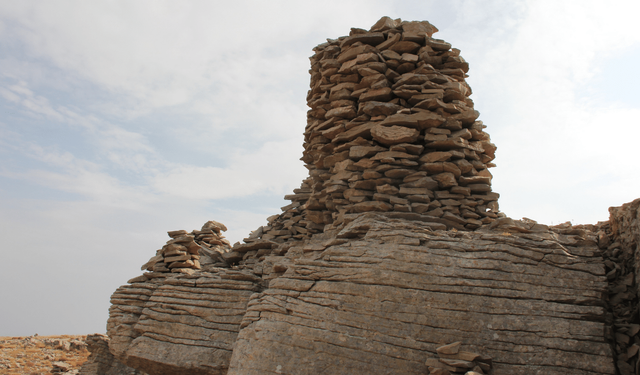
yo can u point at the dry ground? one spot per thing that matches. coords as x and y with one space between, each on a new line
34 355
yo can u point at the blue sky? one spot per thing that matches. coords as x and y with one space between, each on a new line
122 120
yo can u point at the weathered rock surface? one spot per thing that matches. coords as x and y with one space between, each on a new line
182 324
389 291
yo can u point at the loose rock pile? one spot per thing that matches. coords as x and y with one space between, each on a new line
184 252
618 240
451 360
391 128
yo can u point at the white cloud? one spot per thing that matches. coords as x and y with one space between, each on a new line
556 147
161 53
271 169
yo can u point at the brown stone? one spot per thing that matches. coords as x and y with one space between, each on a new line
358 152
383 24
342 112
374 108
479 188
422 28
445 180
391 41
185 264
353 52
435 156
420 120
391 135
371 206
176 233
381 94
363 130
405 47
372 38
392 155
387 189
398 173
177 258
424 182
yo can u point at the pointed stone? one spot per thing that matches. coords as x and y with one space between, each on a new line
384 23
452 348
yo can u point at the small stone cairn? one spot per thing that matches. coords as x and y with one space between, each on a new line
451 360
391 129
187 252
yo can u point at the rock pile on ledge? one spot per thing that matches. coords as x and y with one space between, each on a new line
184 252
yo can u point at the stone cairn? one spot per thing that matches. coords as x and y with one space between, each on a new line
391 129
187 252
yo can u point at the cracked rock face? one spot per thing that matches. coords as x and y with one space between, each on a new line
379 294
387 292
186 324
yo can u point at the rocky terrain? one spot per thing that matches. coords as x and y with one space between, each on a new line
393 257
42 355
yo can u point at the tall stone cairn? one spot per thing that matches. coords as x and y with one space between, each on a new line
391 129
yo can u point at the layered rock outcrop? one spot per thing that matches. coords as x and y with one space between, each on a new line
184 324
392 248
383 293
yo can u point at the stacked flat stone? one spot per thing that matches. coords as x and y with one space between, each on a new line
184 251
391 128
293 223
618 240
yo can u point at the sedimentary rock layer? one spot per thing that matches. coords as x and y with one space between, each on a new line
185 324
387 292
